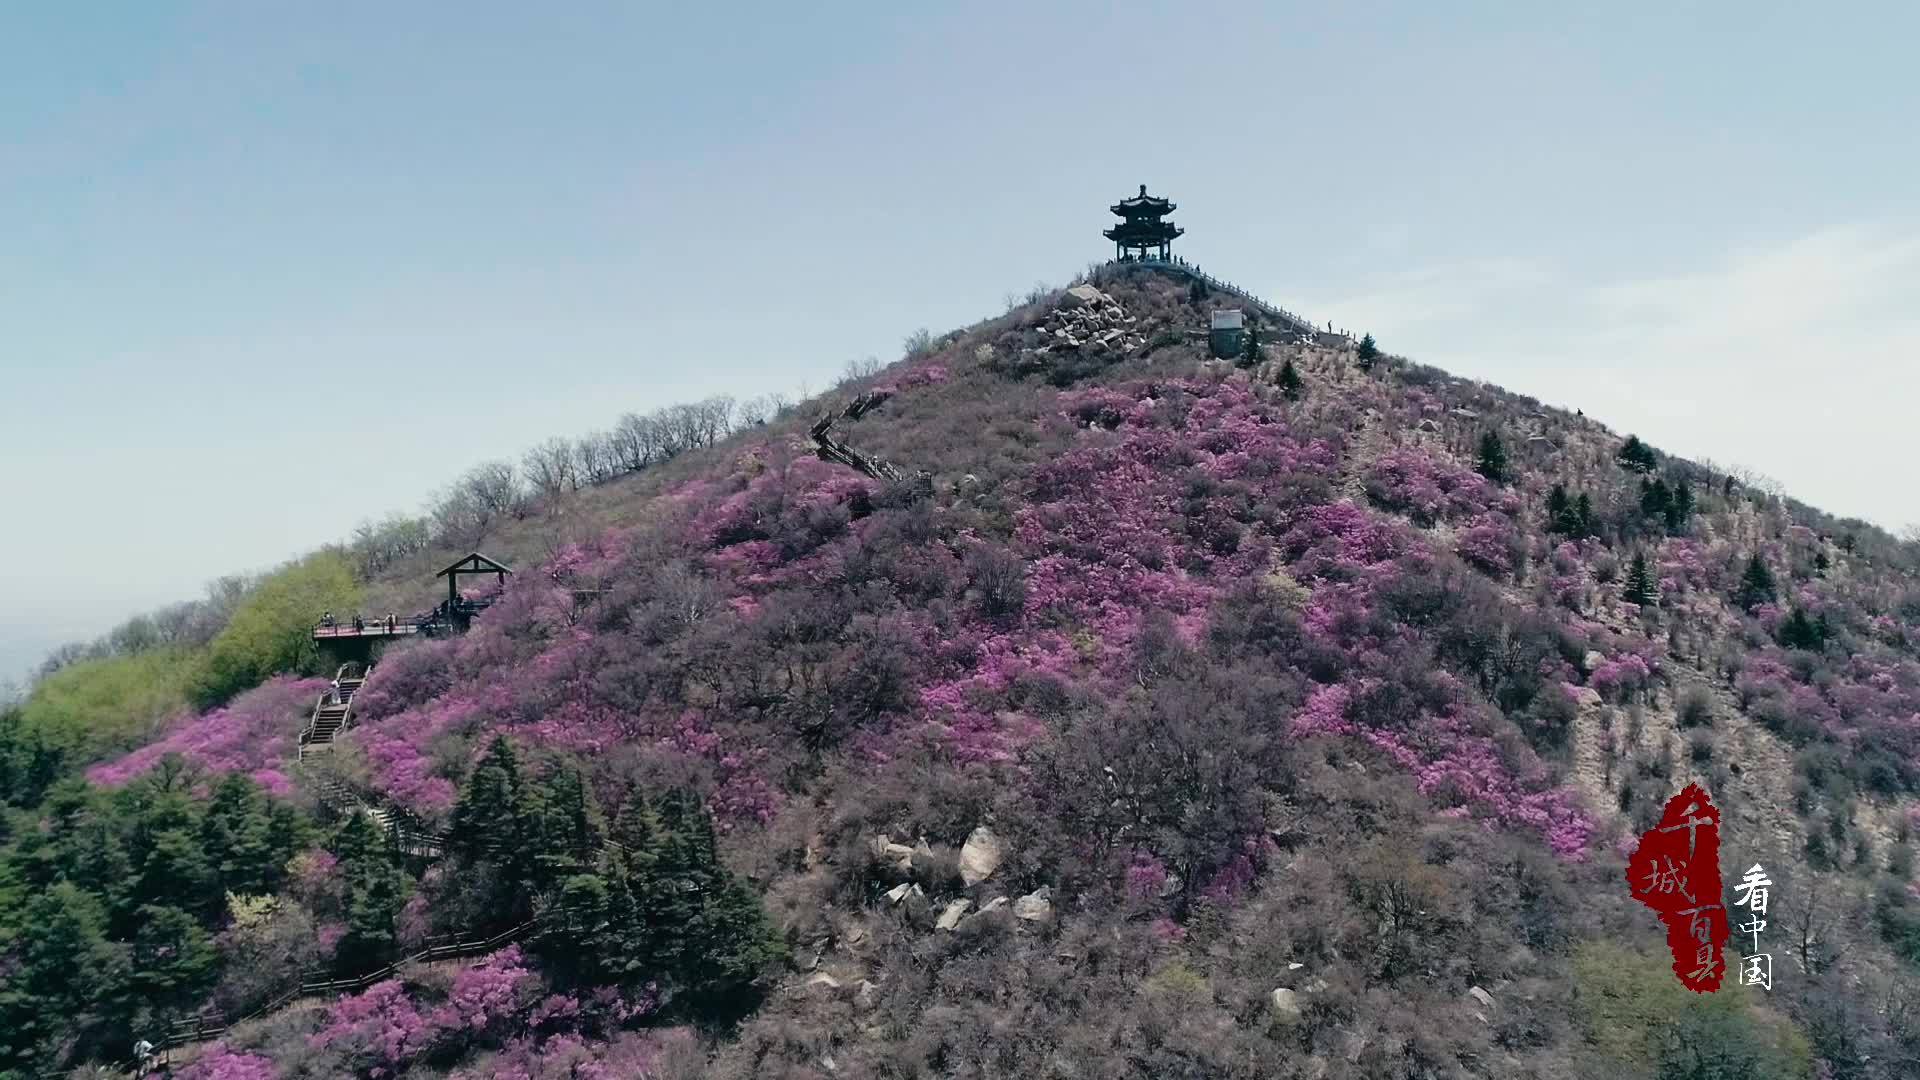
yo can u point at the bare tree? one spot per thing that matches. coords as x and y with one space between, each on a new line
861 369
549 468
595 460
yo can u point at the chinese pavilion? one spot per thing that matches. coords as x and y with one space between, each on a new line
1142 231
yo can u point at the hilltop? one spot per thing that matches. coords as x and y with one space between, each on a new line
1281 715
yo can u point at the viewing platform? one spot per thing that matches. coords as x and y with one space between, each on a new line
452 615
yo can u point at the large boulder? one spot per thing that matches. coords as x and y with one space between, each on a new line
1083 295
980 856
1481 996
1286 1005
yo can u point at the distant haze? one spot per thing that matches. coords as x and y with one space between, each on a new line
267 272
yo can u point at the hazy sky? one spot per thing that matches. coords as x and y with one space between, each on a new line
267 269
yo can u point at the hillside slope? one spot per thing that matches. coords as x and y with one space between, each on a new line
1178 723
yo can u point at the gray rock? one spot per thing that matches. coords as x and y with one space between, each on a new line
1286 1006
823 981
899 892
980 856
1036 906
950 918
1481 996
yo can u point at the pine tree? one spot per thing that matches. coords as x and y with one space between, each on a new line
1493 458
1290 384
1637 455
1250 345
1640 586
571 829
1655 499
1367 353
486 816
1558 507
377 887
1798 631
238 838
1583 516
1756 585
1680 508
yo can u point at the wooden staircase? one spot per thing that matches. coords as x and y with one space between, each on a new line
332 712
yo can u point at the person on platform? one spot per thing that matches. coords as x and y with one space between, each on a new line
326 619
358 623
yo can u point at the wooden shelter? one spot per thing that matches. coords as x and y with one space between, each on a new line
1143 228
468 565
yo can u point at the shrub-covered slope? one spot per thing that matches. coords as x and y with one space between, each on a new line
1282 717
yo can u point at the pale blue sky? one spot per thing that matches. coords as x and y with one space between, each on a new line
230 232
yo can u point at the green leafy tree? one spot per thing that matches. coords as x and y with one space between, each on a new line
1290 384
1640 585
1756 584
1493 458
270 631
1368 353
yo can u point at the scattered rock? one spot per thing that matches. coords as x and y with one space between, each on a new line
1036 906
823 981
1295 967
899 892
980 856
1481 996
1593 659
1286 1006
863 994
1316 986
1586 697
950 918
1482 1017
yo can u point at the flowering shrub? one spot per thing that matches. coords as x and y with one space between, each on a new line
250 735
1431 489
217 1062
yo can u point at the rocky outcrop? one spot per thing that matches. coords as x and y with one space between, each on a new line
980 856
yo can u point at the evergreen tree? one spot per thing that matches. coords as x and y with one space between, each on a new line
1637 455
1756 585
1290 384
1798 631
62 971
1493 458
487 815
1655 500
571 829
1367 353
1583 516
1680 508
377 887
238 837
174 963
1250 345
1640 586
1558 507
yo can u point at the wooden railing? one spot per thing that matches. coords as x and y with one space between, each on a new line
211 1025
